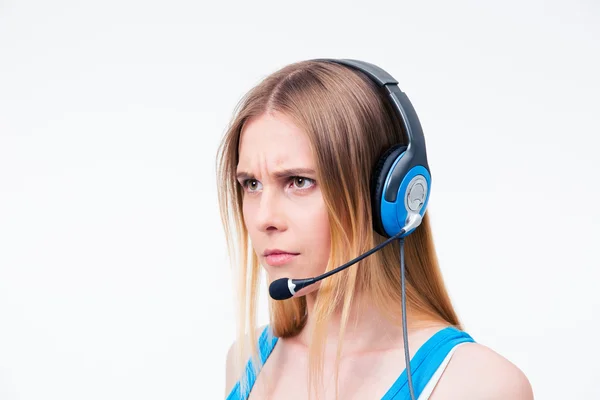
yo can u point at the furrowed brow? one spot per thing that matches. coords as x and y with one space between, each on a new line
242 175
293 172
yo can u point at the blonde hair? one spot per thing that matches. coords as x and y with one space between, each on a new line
349 124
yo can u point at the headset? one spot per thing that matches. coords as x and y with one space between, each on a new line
401 181
400 187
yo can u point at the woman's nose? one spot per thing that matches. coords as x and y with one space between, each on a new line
270 214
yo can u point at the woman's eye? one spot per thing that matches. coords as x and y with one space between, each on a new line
301 182
250 184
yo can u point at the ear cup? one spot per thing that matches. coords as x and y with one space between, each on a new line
378 178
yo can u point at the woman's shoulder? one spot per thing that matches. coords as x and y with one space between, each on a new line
476 371
232 364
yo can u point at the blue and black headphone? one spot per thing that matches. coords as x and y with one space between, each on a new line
400 187
400 181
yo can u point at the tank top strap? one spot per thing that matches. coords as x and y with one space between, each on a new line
426 361
266 343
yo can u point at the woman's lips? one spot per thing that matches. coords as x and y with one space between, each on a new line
278 259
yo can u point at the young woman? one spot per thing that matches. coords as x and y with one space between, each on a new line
296 188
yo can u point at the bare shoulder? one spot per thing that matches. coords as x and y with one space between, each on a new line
232 372
477 372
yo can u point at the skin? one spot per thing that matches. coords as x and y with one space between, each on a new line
288 213
285 212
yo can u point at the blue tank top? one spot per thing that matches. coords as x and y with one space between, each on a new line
423 365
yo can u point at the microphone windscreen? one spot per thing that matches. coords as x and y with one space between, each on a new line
279 289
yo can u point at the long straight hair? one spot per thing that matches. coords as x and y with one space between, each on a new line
349 124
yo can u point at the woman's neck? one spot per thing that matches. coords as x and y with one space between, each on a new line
367 328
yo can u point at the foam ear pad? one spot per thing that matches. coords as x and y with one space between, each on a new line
378 178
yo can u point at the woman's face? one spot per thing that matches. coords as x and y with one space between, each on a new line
283 208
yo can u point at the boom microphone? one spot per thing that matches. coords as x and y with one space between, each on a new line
284 288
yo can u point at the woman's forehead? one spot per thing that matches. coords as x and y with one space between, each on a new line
272 143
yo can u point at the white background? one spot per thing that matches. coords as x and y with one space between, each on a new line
114 281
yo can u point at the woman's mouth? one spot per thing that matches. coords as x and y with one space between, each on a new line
277 259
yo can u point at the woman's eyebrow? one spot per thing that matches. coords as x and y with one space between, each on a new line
242 175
